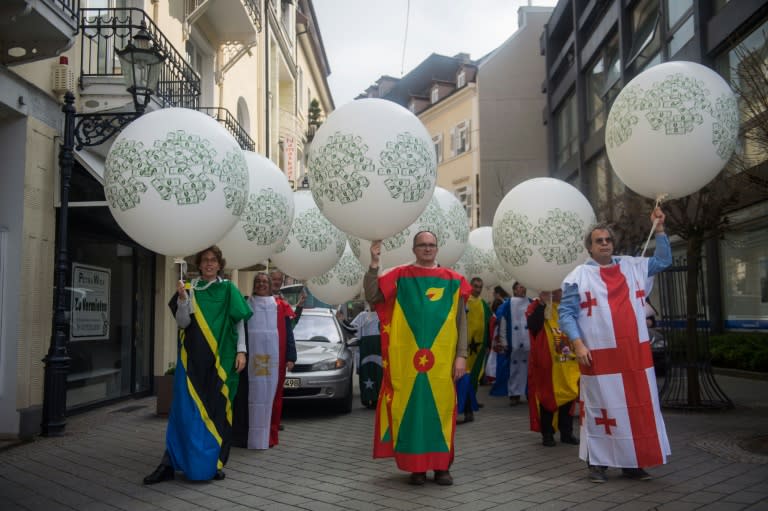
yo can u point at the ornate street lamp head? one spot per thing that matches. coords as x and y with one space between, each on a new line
141 61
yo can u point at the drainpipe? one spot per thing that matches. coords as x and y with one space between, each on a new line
266 85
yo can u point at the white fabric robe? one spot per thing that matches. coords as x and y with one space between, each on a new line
263 360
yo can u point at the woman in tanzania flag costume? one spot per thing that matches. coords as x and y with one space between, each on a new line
211 354
421 307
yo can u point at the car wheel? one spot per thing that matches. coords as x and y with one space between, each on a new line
344 405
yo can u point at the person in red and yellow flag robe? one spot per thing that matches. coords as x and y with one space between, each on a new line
421 307
553 372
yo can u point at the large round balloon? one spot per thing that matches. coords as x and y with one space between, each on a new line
176 181
456 227
313 245
372 168
398 249
342 283
482 261
538 231
266 218
672 129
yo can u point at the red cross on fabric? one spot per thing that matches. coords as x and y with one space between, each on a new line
629 360
605 421
641 295
591 302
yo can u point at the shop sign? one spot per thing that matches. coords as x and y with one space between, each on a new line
89 312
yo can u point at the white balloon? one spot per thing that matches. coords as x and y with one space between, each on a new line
398 249
342 283
176 181
372 168
672 129
538 231
266 218
481 259
313 245
455 232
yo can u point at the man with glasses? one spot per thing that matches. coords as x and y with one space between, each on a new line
603 313
421 307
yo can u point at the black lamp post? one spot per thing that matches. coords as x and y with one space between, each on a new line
141 60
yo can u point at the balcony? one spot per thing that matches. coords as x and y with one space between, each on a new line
104 33
231 20
33 30
235 129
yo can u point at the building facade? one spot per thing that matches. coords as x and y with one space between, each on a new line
513 142
592 50
249 64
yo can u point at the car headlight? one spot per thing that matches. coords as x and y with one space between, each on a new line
328 365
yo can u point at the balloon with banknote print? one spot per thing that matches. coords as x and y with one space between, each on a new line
313 245
455 233
266 218
175 181
672 129
372 168
538 231
341 283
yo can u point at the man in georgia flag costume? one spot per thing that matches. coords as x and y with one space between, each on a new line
602 312
421 307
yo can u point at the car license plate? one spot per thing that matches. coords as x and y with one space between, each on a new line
292 383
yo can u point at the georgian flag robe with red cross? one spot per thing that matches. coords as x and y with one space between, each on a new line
621 422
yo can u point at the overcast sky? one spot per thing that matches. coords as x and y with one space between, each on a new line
364 38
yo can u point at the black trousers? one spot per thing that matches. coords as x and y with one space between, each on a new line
564 421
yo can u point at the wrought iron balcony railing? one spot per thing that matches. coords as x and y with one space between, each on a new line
228 120
106 31
252 6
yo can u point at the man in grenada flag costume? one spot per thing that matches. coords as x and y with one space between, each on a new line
211 354
602 312
553 373
421 307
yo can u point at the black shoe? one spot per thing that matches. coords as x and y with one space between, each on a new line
569 440
417 478
597 474
219 475
161 473
480 405
443 478
548 441
280 427
468 417
638 474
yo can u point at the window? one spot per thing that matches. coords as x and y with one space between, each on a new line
676 11
243 117
646 39
461 79
464 194
435 95
412 106
460 138
603 84
566 130
681 36
745 277
438 141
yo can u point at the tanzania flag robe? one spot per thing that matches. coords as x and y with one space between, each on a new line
205 382
553 372
416 411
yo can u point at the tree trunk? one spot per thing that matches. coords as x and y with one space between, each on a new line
692 355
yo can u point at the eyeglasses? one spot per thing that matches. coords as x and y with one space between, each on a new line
426 245
603 241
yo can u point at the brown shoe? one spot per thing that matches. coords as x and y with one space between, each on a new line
443 478
417 478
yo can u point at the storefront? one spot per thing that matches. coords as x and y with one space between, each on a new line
111 302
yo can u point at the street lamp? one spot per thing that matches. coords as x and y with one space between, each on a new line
141 60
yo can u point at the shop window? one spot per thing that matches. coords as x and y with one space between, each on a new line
745 274
566 130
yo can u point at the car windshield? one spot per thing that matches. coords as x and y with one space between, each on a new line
316 328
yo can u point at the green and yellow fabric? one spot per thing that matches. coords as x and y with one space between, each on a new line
205 382
416 411
478 337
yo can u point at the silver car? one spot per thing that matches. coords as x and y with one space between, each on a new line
324 365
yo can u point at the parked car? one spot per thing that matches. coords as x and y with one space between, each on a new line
324 365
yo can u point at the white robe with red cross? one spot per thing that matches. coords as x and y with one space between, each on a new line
621 424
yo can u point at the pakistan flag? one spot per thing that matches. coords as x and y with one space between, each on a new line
416 414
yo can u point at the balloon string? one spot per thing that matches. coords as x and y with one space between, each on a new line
653 227
182 267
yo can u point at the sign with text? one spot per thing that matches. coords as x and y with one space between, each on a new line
89 310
